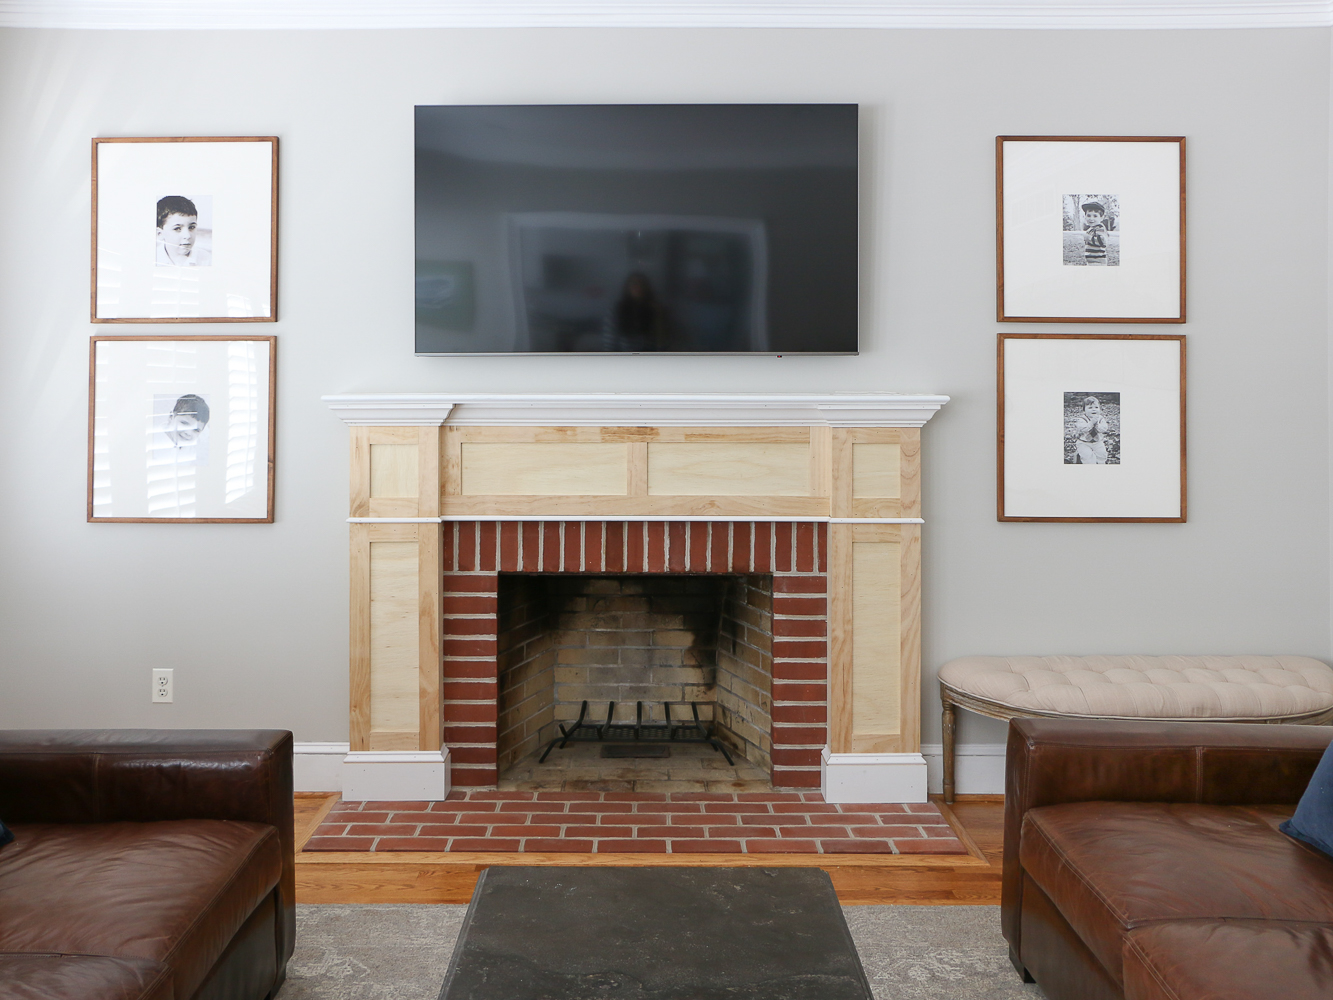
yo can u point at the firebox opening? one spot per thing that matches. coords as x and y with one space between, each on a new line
653 639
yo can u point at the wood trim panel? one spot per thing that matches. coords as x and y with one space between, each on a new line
909 472
393 507
358 639
636 484
729 468
451 462
544 469
359 461
821 461
610 507
429 458
615 435
840 638
430 664
840 493
863 507
392 435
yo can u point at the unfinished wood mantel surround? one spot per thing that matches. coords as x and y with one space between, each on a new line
421 463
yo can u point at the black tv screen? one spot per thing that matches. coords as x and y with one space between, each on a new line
636 229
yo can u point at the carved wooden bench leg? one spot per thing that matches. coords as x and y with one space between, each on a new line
948 720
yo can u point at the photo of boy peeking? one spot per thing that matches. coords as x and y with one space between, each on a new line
1094 233
177 236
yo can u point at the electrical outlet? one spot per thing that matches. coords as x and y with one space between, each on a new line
162 685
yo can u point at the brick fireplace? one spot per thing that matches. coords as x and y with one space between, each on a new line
503 545
788 560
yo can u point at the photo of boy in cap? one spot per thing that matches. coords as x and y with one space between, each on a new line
1091 230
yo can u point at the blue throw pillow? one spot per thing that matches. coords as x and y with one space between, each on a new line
1312 823
6 835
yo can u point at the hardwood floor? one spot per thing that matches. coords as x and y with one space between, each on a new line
424 877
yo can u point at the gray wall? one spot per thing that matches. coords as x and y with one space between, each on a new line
253 617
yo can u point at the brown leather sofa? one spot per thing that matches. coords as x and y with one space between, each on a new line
146 864
1142 861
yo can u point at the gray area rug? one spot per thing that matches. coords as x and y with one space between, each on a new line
401 951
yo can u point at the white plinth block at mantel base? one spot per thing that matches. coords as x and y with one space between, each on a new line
873 777
396 776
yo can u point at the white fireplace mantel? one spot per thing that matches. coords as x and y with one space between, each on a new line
602 409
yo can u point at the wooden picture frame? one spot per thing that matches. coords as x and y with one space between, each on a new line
155 405
1106 387
190 269
1058 254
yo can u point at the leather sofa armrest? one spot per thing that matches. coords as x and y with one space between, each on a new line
1050 761
142 775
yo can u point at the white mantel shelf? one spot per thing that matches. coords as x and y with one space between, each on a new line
624 409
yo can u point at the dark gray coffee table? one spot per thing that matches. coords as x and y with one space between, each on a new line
654 934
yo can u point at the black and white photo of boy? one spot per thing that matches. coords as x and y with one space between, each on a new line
184 231
1092 428
1091 230
183 421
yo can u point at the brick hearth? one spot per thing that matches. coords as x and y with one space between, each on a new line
637 823
794 554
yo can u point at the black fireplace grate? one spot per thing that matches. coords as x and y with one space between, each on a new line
667 731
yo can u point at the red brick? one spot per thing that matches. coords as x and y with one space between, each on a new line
484 669
558 846
935 831
413 844
849 819
573 547
615 546
799 627
634 796
797 584
705 819
672 831
599 831
736 807
474 583
524 830
800 735
531 806
703 797
740 547
698 532
796 757
921 807
800 649
483 844
782 536
509 546
469 690
785 846
656 547
761 832
881 831
420 815
768 797
763 547
373 830
641 818
932 846
502 796
805 547
799 692
472 755
456 713
821 544
468 647
810 808
486 533
472 777
467 806
786 604
775 819
678 807
889 807
676 561
447 534
339 844
542 819
471 605
468 829
800 670
569 796
466 532
785 778
551 546
631 847
800 713
389 805
634 546
531 546
601 807
718 560
592 547
817 831
706 847
363 816
469 626
856 847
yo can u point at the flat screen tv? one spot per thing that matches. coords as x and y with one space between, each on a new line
636 229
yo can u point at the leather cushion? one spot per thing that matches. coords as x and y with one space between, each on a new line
6 835
1229 960
82 977
1112 866
174 892
1148 687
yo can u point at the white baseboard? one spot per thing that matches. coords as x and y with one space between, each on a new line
978 768
318 767
872 777
396 776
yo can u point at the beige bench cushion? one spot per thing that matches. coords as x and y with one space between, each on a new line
1147 687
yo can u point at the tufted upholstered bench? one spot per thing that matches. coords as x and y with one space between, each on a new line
1273 689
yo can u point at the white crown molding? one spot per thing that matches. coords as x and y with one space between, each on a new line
345 14
615 409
